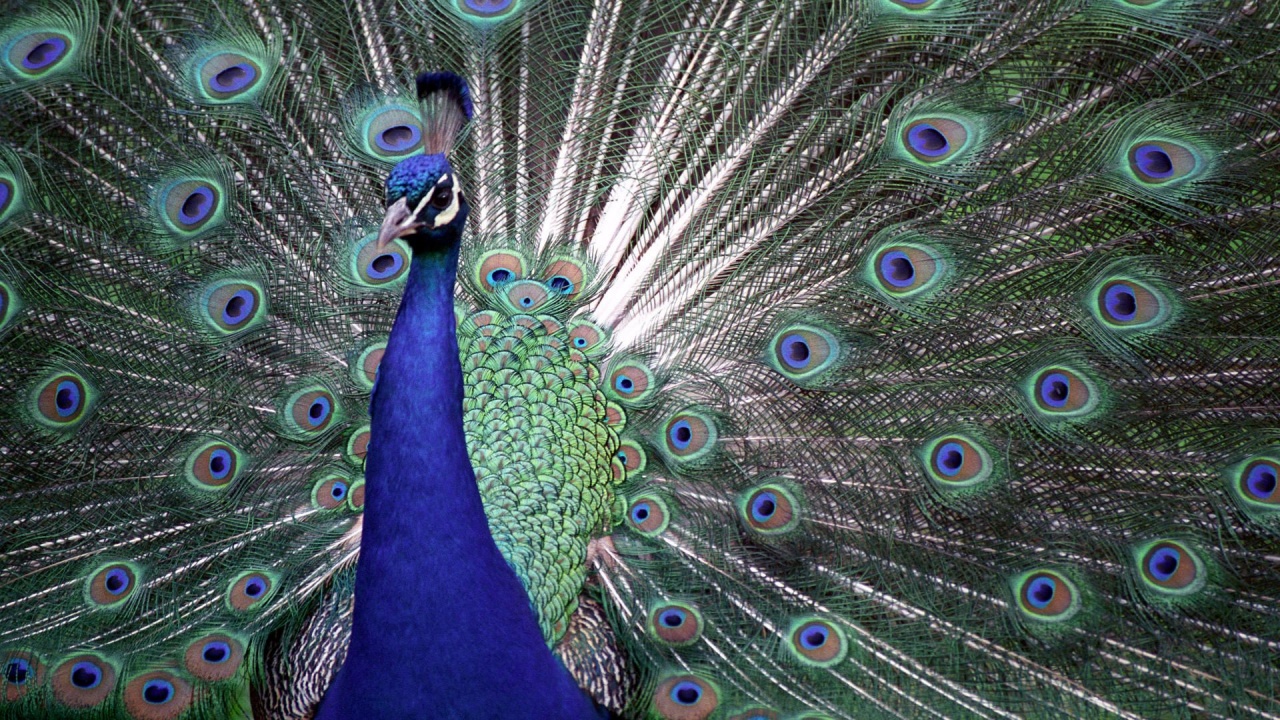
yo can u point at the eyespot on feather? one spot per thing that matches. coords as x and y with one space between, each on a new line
10 305
499 267
802 352
629 381
816 642
526 296
33 53
213 465
484 12
934 140
956 461
364 370
1169 568
83 681
1254 485
250 591
1125 305
62 400
23 672
232 306
330 490
355 496
214 657
687 436
309 411
392 132
1158 162
906 270
769 509
1046 596
632 457
229 77
358 445
685 697
648 515
1061 392
586 336
191 206
157 695
376 267
11 198
565 277
675 623
914 5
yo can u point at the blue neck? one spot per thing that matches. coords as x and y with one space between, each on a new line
442 625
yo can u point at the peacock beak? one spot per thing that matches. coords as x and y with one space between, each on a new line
400 221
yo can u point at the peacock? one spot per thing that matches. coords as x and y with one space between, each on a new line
683 359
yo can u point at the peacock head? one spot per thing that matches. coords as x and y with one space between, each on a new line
425 203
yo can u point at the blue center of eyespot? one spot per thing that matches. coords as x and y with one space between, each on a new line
686 693
1164 563
157 691
488 7
623 384
239 307
764 506
234 78
812 638
928 140
526 301
67 398
1055 388
86 675
579 342
795 352
385 266
1261 481
561 284
950 458
17 671
116 581
338 491
1153 161
219 463
622 455
672 617
45 53
399 138
6 193
319 411
640 513
681 434
497 276
1040 592
897 269
216 651
197 206
255 587
1121 303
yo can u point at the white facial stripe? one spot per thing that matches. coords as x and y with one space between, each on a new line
446 215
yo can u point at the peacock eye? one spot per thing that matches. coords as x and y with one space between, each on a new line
442 198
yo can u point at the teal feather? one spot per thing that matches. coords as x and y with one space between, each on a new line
841 360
